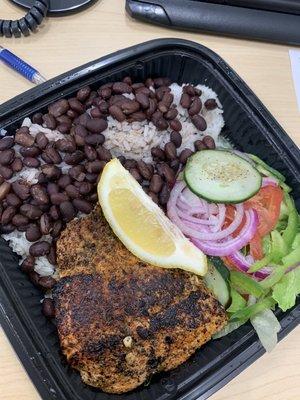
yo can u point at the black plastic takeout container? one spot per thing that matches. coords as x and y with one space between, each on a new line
249 126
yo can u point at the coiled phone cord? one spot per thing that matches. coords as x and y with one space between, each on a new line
26 25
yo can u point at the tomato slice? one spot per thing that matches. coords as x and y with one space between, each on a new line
267 204
256 249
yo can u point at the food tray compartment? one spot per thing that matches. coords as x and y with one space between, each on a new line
249 127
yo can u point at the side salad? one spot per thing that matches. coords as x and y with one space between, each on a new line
239 212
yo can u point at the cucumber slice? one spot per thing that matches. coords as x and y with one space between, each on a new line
215 282
222 177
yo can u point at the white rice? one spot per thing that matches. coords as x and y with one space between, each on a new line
135 140
132 140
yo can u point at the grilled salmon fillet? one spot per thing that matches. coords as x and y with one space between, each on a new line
120 320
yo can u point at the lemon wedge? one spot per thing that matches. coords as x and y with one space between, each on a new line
142 226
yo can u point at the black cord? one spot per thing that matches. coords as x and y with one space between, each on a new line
26 25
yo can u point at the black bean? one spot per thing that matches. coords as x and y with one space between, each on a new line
37 118
52 256
175 125
89 101
96 113
175 164
199 145
39 249
189 89
57 227
21 189
63 119
6 143
76 105
6 172
96 125
170 151
66 145
92 178
105 93
94 167
117 113
161 124
34 278
41 140
19 220
144 170
127 80
168 173
28 265
52 188
199 122
48 307
171 114
4 229
184 155
93 197
137 116
54 212
176 138
51 156
1 180
185 100
165 102
42 178
30 211
85 188
16 165
72 114
152 108
158 154
13 200
209 142
83 93
74 158
156 183
30 151
164 195
8 215
95 139
195 107
67 211
121 87
82 206
59 108
103 154
4 190
153 196
211 104
130 164
39 194
64 181
49 121
63 128
51 172
143 99
31 162
138 85
23 137
33 233
135 173
72 191
45 224
47 282
58 198
103 107
130 106
90 152
77 172
149 82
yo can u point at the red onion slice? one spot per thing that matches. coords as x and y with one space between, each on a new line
230 246
197 221
268 181
243 264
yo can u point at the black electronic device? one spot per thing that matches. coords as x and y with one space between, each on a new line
269 20
36 14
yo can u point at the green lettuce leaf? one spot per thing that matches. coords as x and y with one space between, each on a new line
285 291
237 301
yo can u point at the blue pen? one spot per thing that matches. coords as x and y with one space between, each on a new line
21 66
